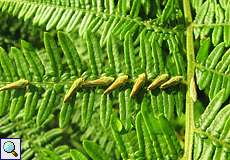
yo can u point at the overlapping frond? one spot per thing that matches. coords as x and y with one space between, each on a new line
211 135
68 13
211 31
165 144
34 137
212 18
41 142
213 68
117 18
156 139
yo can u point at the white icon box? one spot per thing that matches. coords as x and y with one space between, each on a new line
10 149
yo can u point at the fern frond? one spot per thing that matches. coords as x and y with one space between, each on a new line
34 137
212 69
163 137
31 66
156 139
45 69
212 18
117 18
212 131
94 132
113 76
113 51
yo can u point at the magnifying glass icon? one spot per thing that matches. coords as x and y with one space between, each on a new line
9 147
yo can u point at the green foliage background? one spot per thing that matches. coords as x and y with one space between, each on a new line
75 78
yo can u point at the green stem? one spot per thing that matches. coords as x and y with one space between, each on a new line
187 12
213 139
190 74
213 71
210 25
